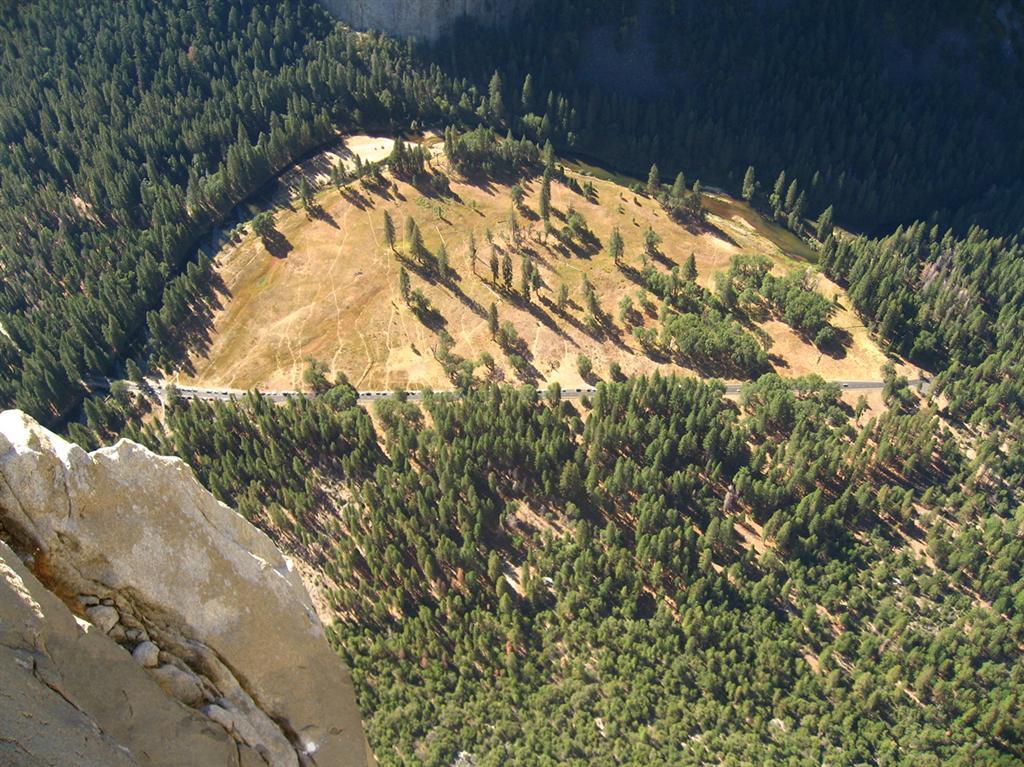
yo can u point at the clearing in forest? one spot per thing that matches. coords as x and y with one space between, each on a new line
330 290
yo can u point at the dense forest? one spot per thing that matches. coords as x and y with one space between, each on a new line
656 575
132 128
661 577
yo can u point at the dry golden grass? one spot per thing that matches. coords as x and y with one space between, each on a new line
335 295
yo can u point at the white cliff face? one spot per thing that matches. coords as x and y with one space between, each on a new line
198 607
422 19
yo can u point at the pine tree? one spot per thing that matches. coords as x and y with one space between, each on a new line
695 202
690 268
494 265
825 225
651 242
410 227
506 271
791 196
403 283
798 207
616 246
563 297
495 99
513 228
679 188
527 97
749 184
653 181
389 231
545 198
416 248
776 199
492 320
443 268
132 371
525 278
305 192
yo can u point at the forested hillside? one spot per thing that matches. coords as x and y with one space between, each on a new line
665 578
131 128
659 575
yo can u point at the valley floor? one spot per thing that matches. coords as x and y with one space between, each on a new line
331 292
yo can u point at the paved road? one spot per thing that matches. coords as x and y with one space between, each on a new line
415 395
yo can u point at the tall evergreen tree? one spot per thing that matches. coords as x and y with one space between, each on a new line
495 98
389 231
653 180
824 225
749 184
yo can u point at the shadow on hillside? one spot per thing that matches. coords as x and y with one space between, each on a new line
277 244
710 228
584 245
486 182
315 212
354 197
193 336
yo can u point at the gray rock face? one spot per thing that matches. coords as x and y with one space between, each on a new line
422 19
69 695
149 561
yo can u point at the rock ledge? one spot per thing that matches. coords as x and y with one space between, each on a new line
147 623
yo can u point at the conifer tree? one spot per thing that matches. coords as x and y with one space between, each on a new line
824 225
443 267
678 188
526 100
495 98
563 297
506 271
777 198
749 184
492 320
616 246
545 198
690 268
305 192
389 231
494 265
403 283
653 180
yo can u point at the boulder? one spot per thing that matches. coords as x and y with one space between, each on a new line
146 654
179 684
102 617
